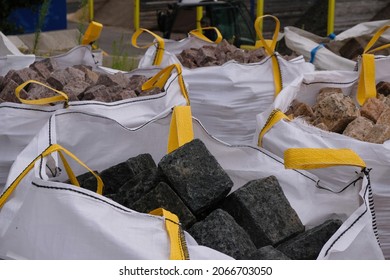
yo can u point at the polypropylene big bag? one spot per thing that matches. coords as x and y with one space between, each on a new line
277 133
313 49
20 122
39 214
227 98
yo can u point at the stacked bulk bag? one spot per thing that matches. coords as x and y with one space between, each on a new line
354 96
226 98
326 53
41 210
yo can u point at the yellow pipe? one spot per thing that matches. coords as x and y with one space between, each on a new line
136 14
90 6
331 12
199 15
260 12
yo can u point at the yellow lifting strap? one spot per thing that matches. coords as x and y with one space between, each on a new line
160 79
178 246
160 44
92 33
181 130
43 101
70 173
199 34
367 83
269 46
312 158
273 118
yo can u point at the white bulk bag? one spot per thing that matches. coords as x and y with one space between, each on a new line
277 133
307 44
20 122
227 98
42 218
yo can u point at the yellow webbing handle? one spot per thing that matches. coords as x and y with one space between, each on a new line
374 39
160 79
181 130
48 151
92 33
273 118
199 34
269 46
366 84
311 158
160 44
178 248
43 101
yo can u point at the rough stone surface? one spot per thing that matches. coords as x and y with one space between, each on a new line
372 109
125 94
384 118
187 58
2 83
196 176
91 76
58 79
73 90
97 93
383 88
36 91
336 111
214 55
263 210
8 92
88 181
256 55
205 55
135 83
23 75
308 245
326 91
44 67
152 91
268 253
221 232
378 134
358 128
162 196
300 109
113 80
79 82
351 49
133 189
115 176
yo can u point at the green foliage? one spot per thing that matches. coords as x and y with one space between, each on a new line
7 6
83 23
41 20
120 57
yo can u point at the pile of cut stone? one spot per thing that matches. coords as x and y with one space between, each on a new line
79 82
254 222
218 55
338 113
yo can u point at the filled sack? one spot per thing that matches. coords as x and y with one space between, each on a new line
239 200
338 109
339 52
112 95
226 96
